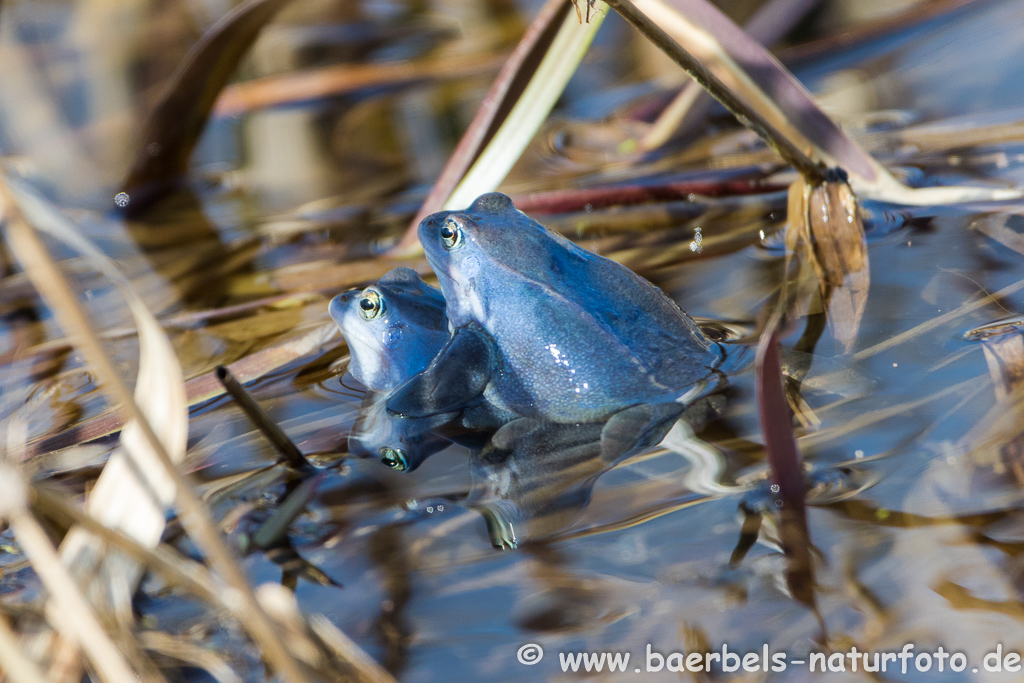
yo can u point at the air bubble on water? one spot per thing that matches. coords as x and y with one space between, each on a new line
430 508
775 488
440 508
695 245
858 453
121 199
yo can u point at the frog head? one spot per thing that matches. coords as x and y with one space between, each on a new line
393 328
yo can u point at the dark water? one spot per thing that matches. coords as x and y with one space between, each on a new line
915 532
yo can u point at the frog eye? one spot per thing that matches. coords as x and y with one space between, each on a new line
394 458
451 234
371 306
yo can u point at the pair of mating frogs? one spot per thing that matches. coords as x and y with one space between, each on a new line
527 326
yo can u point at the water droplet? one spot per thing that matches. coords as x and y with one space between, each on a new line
858 453
121 199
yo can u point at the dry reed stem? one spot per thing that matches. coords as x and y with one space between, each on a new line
311 84
77 621
190 653
57 291
13 662
766 98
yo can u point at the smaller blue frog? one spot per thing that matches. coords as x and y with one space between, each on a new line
393 330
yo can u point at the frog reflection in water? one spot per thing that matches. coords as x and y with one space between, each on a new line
393 330
545 329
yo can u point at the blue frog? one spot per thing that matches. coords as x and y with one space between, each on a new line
545 329
393 330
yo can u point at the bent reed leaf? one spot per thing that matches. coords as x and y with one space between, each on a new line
530 110
777 422
159 417
517 103
787 471
133 493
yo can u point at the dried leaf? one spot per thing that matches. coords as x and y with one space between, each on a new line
1003 345
777 422
1004 355
839 254
787 472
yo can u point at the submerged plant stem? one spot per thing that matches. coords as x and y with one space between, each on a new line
263 422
